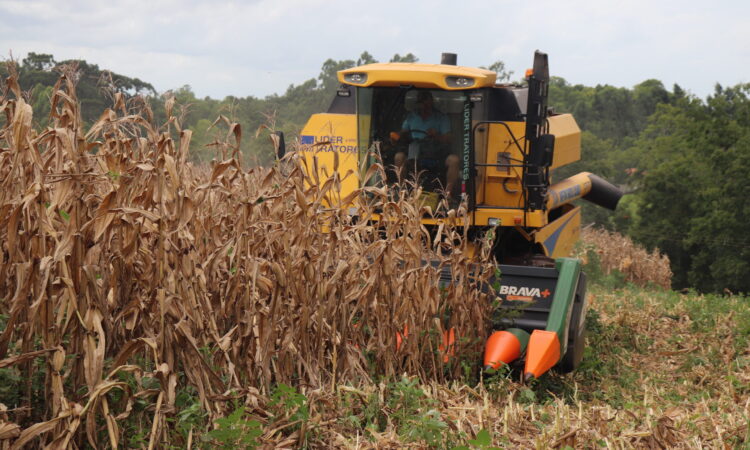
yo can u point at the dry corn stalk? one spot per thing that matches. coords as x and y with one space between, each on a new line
618 252
121 262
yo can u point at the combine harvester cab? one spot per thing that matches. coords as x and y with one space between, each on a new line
492 146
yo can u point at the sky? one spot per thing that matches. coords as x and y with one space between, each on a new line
260 47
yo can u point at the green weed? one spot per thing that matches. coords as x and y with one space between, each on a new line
289 403
483 440
234 431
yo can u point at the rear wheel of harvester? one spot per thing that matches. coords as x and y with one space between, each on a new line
577 332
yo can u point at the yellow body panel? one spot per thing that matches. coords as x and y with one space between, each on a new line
567 139
328 135
559 237
509 217
431 76
500 187
482 217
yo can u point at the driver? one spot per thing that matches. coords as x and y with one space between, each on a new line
424 123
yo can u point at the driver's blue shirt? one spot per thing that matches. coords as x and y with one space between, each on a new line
418 125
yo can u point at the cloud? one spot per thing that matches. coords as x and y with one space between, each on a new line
262 46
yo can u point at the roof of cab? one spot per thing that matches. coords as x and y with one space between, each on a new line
418 75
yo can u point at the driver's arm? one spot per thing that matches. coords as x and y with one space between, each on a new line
441 133
405 128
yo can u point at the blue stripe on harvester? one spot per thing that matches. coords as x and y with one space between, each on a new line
306 140
551 241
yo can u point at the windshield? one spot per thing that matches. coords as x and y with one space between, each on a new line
423 135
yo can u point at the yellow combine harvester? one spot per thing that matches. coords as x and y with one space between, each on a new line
465 138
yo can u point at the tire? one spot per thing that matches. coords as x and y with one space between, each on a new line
577 331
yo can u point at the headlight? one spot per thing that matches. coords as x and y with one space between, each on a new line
355 78
459 82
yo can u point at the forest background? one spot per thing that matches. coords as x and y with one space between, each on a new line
682 160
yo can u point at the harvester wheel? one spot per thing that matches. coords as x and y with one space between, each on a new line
577 331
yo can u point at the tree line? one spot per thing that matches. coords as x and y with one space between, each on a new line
682 160
684 163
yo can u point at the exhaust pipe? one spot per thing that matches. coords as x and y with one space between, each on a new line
449 59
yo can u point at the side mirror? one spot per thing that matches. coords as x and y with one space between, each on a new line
277 137
547 149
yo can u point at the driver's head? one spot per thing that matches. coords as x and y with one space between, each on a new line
424 100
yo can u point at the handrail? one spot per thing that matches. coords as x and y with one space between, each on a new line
524 166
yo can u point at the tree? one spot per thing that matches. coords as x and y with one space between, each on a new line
94 86
202 136
646 96
366 58
38 61
499 68
328 78
407 58
41 103
693 189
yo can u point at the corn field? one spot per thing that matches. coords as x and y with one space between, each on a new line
128 276
616 252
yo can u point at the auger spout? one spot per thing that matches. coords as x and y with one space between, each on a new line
587 186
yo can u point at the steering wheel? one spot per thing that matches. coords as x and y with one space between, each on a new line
425 134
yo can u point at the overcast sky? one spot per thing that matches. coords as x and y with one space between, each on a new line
260 47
